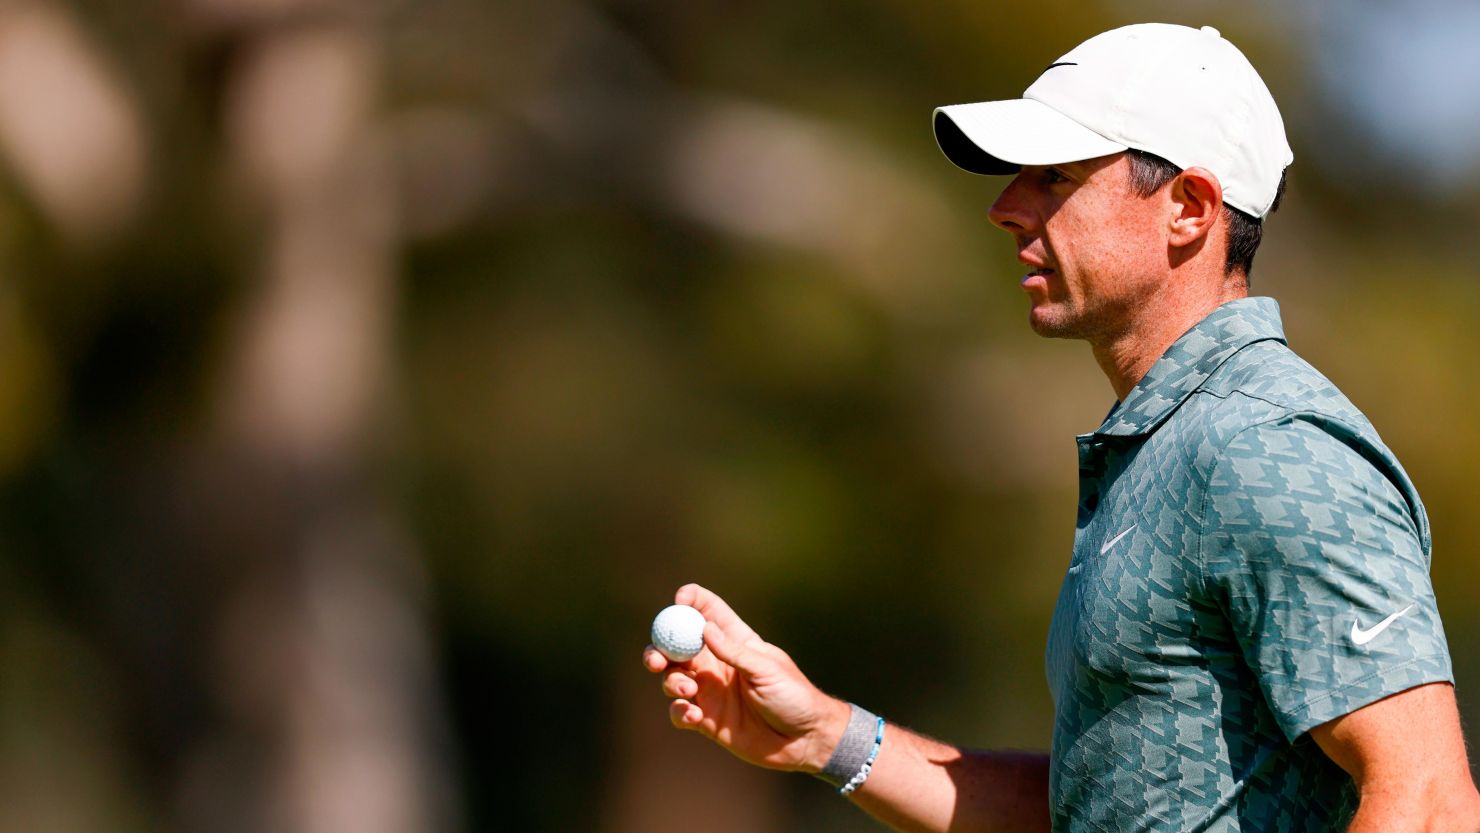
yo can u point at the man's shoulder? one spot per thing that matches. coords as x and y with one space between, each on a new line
1267 379
1266 388
1270 409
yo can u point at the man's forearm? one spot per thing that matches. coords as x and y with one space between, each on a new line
920 785
1450 809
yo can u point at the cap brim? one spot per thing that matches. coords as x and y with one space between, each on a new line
998 137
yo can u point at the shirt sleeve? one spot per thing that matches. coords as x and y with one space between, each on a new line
1321 567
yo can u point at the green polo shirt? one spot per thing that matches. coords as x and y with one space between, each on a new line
1250 561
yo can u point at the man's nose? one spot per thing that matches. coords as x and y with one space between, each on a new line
1010 212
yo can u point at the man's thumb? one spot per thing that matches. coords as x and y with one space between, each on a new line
743 657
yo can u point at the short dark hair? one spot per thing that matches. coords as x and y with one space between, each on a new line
1150 172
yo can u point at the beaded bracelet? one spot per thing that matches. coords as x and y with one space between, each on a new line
868 765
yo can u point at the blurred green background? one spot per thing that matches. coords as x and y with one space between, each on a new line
371 373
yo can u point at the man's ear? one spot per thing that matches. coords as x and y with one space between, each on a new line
1197 203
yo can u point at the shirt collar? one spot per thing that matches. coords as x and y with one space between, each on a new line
1189 362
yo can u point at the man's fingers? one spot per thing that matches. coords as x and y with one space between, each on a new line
715 610
652 660
679 685
684 715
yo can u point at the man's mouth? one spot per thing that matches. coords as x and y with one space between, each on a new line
1037 282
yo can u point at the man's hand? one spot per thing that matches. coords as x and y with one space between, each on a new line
747 695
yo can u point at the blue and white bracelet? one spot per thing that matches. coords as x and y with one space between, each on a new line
854 757
868 766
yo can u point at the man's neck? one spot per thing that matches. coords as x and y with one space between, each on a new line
1126 357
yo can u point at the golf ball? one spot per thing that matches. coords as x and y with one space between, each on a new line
678 632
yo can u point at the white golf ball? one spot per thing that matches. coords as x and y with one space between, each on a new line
678 632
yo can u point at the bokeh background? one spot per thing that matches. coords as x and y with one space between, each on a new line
371 372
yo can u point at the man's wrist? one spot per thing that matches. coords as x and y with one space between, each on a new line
829 733
855 748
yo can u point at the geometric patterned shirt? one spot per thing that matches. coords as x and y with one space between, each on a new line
1250 561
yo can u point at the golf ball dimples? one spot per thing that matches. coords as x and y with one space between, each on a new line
678 632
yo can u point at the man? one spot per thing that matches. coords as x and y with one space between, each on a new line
1246 638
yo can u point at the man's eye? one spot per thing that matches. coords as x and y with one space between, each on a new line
1053 176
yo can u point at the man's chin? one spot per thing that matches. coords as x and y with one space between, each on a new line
1051 323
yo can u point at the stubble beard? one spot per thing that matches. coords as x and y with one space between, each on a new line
1080 322
1056 321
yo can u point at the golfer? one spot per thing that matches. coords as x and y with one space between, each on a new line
1246 638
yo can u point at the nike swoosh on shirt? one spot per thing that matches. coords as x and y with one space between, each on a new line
1060 64
1361 637
1113 541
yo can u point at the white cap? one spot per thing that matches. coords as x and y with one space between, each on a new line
1186 95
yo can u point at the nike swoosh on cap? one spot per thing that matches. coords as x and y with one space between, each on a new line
1361 637
1061 64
